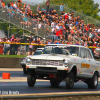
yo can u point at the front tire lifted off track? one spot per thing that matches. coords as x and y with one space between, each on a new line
31 79
69 81
93 82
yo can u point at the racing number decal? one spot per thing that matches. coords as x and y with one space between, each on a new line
83 65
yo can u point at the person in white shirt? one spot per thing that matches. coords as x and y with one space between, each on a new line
99 30
39 25
57 27
15 6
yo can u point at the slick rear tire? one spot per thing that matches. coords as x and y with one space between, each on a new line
93 82
69 81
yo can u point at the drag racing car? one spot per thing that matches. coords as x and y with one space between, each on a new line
69 63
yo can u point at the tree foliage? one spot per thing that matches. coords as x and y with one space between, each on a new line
13 30
88 7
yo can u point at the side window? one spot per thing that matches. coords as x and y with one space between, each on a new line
89 54
82 53
58 50
85 50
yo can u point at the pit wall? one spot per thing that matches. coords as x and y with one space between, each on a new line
10 62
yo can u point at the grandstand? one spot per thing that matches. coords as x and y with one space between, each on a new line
32 26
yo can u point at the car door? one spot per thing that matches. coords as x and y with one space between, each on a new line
89 60
84 70
92 62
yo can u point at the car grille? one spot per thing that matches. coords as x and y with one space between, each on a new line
47 62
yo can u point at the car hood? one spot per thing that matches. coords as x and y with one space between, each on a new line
49 57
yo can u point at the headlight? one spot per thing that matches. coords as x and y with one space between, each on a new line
28 61
66 63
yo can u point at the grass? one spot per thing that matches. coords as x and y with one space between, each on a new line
16 56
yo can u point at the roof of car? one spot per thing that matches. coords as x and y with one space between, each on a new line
65 45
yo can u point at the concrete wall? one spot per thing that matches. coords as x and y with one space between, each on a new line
8 62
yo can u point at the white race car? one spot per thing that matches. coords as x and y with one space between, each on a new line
69 63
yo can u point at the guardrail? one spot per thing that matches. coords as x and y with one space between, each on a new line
55 96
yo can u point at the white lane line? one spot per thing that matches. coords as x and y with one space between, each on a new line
11 69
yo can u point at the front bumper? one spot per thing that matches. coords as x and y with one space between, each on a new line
38 67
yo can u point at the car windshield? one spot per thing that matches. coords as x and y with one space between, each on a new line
38 52
73 50
55 50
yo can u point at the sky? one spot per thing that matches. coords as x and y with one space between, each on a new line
97 1
38 1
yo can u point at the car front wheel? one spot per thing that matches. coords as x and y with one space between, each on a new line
69 81
31 79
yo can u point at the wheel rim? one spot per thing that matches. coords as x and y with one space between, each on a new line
95 80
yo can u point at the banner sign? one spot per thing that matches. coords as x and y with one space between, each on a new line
22 50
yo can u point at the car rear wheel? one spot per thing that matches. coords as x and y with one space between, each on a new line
69 81
93 82
54 83
31 79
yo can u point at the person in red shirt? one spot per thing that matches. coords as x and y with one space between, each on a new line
3 5
94 45
66 16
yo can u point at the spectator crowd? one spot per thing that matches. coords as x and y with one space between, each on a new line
65 28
